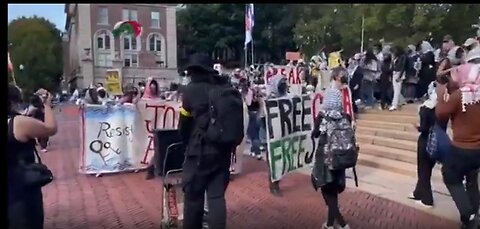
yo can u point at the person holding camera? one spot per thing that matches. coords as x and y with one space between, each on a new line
26 176
36 110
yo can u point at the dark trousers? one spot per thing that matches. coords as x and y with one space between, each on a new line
26 213
211 175
330 193
355 96
460 164
384 93
423 189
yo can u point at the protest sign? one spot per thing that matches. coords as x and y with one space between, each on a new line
292 56
113 82
294 76
120 138
289 126
108 139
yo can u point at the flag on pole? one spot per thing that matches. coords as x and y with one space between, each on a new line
10 65
249 22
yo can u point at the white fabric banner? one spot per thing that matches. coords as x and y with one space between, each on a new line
120 138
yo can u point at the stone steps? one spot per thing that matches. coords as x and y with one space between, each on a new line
390 117
385 125
387 142
388 133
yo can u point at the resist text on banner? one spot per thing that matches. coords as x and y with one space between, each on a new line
290 122
120 138
108 133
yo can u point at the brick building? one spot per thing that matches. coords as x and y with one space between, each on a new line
90 48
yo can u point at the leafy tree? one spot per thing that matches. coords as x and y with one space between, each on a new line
36 44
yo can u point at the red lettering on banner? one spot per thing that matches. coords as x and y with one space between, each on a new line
150 147
155 117
294 76
347 102
165 117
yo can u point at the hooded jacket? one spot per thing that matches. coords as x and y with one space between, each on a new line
148 93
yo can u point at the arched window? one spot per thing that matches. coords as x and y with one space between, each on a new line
156 44
103 46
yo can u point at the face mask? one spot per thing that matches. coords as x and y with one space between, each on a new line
344 80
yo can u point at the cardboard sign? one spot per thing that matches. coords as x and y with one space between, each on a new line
294 76
113 82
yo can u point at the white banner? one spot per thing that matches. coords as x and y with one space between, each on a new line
289 126
120 138
294 75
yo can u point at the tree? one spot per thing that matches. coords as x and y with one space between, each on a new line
37 45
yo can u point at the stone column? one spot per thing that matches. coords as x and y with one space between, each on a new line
171 37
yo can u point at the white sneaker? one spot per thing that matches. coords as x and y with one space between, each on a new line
345 227
423 205
44 150
324 226
392 109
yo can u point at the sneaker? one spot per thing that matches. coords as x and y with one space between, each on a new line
392 109
344 227
412 197
324 226
44 150
259 157
421 203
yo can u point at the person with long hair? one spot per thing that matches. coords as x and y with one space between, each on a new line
25 204
371 70
385 82
423 190
398 76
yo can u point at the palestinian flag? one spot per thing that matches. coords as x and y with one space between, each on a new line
10 65
127 27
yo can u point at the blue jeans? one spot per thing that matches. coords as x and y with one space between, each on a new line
368 88
253 132
263 130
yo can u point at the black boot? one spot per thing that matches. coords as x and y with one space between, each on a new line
275 189
150 172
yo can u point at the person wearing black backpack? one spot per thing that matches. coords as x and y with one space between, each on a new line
336 150
211 126
26 175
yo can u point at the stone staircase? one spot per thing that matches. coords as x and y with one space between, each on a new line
388 141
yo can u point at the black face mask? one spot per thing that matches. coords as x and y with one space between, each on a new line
343 79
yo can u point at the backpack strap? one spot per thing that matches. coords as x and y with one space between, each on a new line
355 176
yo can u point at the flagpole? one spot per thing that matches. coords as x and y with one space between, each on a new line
253 57
363 33
245 48
246 56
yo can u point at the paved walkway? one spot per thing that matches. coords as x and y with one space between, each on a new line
128 200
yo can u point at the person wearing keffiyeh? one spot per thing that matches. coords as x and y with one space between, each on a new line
330 182
462 106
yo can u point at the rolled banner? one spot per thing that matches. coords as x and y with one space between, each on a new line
127 27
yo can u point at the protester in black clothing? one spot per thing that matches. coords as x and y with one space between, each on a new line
425 164
426 74
25 204
206 166
385 83
356 77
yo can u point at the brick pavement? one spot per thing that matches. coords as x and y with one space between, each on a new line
128 200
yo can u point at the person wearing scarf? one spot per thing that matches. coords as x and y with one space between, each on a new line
330 182
151 89
423 190
426 74
462 106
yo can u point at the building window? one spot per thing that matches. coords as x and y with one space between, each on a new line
155 19
103 15
129 15
155 43
130 43
104 59
103 40
103 51
130 60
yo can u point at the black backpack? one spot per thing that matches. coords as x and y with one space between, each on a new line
340 149
225 125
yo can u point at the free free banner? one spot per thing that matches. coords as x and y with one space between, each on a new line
289 126
125 133
294 76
